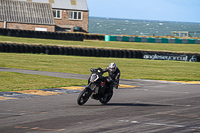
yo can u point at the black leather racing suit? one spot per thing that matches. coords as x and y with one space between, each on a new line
114 76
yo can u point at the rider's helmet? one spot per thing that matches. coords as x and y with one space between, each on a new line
112 67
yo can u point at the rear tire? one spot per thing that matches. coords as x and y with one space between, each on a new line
106 98
83 96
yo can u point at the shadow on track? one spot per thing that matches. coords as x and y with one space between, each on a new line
129 104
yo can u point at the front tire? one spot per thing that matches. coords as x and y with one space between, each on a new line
83 96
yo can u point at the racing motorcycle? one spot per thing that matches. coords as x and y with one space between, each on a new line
98 88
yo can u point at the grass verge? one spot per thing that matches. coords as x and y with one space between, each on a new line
11 81
130 68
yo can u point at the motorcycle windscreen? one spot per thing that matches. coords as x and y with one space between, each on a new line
94 77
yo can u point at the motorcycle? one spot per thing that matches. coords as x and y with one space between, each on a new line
98 88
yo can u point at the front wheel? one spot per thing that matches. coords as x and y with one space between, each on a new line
83 96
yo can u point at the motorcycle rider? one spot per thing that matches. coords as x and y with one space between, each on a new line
113 74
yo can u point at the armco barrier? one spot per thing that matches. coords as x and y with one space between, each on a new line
144 39
93 52
158 40
197 41
151 40
172 40
185 41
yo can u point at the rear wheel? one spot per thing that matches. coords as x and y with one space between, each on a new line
83 96
106 98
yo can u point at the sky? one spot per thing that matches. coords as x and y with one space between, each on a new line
163 10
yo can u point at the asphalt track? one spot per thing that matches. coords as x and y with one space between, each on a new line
152 107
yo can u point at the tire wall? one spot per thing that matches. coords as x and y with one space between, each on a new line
93 52
49 35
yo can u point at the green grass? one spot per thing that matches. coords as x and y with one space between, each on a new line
130 68
16 81
195 48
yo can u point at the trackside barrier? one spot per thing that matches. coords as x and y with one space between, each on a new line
197 41
97 52
42 34
50 35
94 37
151 40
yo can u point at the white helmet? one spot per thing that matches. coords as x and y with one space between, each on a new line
112 67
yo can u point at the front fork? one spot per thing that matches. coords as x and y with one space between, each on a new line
90 89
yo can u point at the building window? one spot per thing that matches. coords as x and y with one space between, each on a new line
40 29
57 13
75 15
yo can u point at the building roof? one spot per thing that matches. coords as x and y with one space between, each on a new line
26 12
64 4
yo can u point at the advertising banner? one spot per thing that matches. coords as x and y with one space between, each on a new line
170 56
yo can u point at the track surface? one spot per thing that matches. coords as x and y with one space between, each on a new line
152 107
